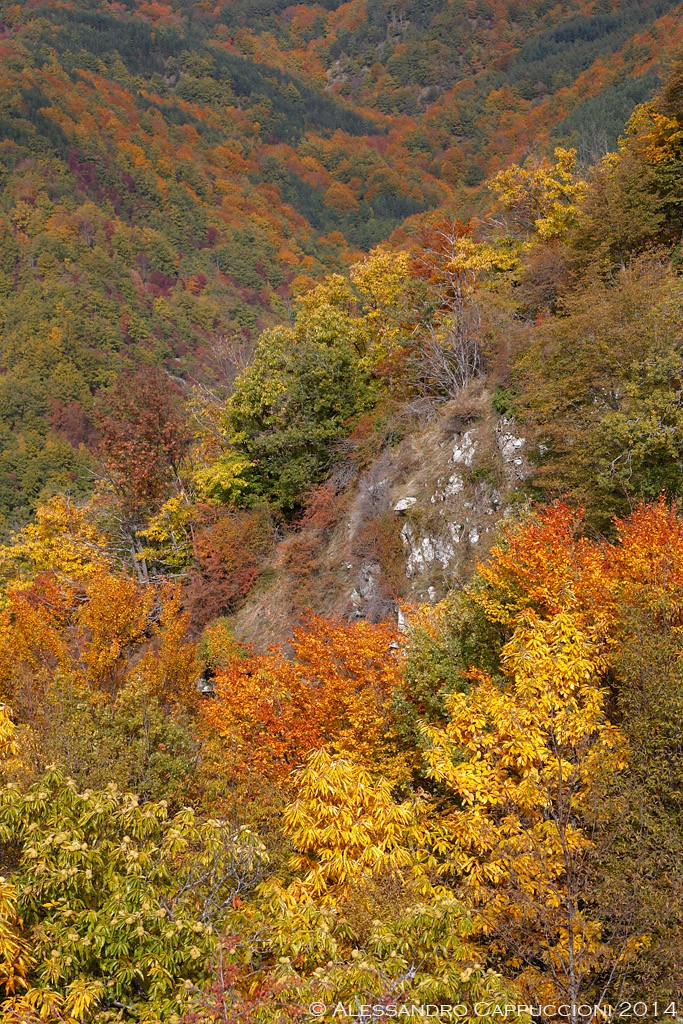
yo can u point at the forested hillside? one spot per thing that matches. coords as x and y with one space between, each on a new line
173 173
341 657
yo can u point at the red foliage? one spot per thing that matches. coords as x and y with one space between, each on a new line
70 420
230 548
232 996
143 437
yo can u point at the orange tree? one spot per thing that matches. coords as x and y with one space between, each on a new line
271 710
102 674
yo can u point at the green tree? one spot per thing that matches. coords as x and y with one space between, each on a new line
635 198
116 901
640 887
601 392
302 393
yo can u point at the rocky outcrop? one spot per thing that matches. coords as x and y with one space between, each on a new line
412 524
450 516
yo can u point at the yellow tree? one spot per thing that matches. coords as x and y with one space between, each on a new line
544 197
529 762
15 959
388 315
346 826
63 540
361 924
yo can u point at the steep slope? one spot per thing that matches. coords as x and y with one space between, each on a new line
171 172
470 85
409 528
147 189
480 809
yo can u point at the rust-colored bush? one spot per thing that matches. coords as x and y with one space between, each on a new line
379 541
230 549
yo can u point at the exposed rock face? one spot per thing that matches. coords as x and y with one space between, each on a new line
366 589
424 551
403 504
465 448
410 526
455 512
511 449
454 485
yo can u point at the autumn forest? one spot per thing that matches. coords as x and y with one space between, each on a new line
341 511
